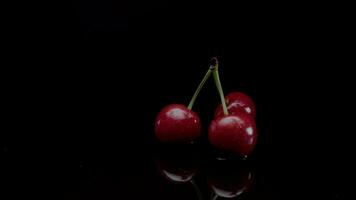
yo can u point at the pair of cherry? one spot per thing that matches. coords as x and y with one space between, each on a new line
233 128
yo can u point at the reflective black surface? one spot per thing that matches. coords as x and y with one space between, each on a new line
80 126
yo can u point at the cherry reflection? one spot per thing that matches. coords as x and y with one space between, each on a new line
179 164
229 178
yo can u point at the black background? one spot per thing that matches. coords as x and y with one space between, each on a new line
81 114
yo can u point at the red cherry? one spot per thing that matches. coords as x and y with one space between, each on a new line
177 123
234 133
237 102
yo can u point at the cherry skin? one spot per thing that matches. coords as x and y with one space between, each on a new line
234 133
237 102
177 123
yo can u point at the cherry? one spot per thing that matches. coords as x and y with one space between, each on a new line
178 123
234 133
237 102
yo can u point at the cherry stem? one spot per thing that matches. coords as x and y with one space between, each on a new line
197 91
218 86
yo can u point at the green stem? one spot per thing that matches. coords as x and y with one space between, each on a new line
207 75
220 90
